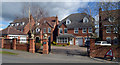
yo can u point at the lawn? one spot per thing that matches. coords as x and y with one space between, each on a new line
9 53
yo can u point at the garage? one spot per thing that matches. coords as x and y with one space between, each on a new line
79 41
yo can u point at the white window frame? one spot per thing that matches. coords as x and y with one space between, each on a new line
65 29
109 38
83 30
76 29
49 30
62 40
84 20
115 30
89 30
37 29
44 30
108 29
68 21
59 30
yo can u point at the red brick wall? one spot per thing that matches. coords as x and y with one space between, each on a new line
7 46
105 35
24 47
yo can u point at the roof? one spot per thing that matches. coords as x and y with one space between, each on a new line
51 21
77 20
66 35
11 30
105 15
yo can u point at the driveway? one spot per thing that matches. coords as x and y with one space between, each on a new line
26 57
69 50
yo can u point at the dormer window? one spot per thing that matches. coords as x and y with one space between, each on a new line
37 29
85 20
68 21
38 23
23 23
111 19
16 24
11 24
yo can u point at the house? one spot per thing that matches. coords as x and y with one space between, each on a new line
109 21
23 24
11 32
46 25
75 29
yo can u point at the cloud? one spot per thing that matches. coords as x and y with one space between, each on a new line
12 9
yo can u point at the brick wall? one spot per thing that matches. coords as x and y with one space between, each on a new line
100 51
24 47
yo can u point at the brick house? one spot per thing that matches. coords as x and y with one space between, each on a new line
75 29
11 32
23 24
108 21
46 25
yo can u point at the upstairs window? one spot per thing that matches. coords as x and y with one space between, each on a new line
65 30
85 20
49 30
44 30
89 30
75 30
11 24
68 21
23 23
38 23
37 29
111 19
84 30
115 30
60 30
108 29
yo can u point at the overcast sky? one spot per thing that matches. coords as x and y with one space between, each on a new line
10 10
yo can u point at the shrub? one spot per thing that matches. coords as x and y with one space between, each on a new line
54 43
68 43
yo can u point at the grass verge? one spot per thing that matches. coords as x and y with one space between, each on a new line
9 53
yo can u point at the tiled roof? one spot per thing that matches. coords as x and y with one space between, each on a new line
11 30
66 35
77 20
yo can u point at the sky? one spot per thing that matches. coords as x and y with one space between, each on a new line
61 8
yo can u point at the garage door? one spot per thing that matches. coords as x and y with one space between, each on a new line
79 41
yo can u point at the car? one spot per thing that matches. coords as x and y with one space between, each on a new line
103 43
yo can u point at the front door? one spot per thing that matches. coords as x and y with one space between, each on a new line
71 41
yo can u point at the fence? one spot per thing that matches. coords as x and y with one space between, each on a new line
16 45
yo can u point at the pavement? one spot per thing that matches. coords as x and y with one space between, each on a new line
26 57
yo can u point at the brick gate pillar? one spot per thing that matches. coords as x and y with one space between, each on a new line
2 42
14 44
45 46
32 46
92 47
74 41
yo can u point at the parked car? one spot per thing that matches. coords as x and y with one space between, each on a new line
103 43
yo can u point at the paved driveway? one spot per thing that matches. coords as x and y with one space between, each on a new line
70 50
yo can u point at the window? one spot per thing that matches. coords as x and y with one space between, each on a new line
23 23
37 29
90 30
49 30
85 20
44 30
84 30
68 21
11 24
17 24
60 30
108 40
75 30
53 20
62 40
108 30
65 30
38 23
111 19
115 41
115 30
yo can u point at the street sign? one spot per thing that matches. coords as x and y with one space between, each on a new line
109 53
